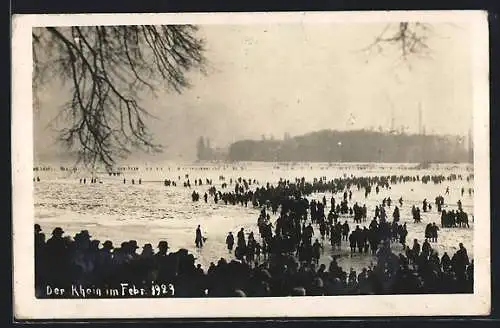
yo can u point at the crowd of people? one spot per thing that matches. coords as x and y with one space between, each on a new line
64 262
284 258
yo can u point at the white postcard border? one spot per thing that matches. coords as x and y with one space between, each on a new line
26 306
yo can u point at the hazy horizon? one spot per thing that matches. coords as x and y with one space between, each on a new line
293 78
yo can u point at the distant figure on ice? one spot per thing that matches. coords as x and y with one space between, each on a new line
416 214
316 251
434 233
395 214
230 242
199 238
241 239
447 191
439 203
428 231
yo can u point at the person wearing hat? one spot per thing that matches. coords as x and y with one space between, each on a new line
148 267
120 254
39 254
56 244
162 248
107 245
39 239
200 272
166 263
93 255
147 251
105 255
57 232
82 239
133 247
85 234
82 254
57 255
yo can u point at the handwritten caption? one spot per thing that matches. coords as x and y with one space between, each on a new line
125 290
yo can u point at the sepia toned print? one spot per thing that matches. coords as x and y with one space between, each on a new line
286 159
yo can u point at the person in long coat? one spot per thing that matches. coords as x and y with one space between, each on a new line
199 238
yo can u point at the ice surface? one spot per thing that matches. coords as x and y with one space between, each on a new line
151 212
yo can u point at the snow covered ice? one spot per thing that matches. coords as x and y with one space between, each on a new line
150 211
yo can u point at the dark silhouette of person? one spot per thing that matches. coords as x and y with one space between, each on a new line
402 234
352 241
459 261
230 241
445 261
316 251
147 251
166 263
162 248
241 239
199 238
56 250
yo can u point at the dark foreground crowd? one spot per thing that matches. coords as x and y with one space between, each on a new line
65 262
284 261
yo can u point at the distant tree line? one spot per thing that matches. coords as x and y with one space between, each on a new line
353 146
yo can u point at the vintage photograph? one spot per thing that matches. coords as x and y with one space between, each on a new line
294 155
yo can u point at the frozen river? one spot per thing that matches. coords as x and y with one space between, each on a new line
151 212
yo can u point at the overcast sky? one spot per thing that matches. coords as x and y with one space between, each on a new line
272 79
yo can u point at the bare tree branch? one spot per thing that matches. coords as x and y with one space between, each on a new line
410 39
108 68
